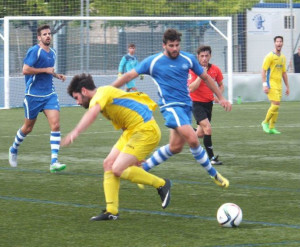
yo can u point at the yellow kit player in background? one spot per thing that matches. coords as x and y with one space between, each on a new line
273 71
131 112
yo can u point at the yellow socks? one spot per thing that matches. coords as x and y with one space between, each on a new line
272 115
139 176
111 185
273 120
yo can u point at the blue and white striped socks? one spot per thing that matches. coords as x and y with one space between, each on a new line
159 156
202 158
55 145
19 138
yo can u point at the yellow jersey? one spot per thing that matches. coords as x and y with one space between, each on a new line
125 110
274 65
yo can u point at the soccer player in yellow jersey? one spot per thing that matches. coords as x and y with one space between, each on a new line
273 71
131 112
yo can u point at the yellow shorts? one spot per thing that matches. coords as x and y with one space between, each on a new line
140 141
275 95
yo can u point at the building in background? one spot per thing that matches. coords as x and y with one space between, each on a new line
264 22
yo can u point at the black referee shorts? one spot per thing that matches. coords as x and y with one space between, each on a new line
202 110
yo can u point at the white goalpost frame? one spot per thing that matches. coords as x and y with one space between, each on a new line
227 37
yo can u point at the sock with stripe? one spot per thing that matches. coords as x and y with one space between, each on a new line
159 156
202 158
55 139
19 138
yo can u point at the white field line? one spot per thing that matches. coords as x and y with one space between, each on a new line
167 130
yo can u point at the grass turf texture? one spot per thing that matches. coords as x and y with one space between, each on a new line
43 209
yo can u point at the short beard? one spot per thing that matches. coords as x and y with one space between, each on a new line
171 56
85 102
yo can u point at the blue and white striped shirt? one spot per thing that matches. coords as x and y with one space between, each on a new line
39 85
170 76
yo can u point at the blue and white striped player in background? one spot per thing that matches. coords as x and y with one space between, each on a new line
127 63
40 96
169 70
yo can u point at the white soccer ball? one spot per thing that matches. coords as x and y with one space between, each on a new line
229 215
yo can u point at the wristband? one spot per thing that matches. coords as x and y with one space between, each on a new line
265 84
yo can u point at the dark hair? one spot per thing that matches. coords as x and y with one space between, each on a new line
80 81
171 35
278 37
40 28
131 45
203 48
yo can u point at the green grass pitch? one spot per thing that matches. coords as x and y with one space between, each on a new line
43 209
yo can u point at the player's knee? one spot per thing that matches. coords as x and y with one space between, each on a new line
175 149
55 126
27 129
200 133
193 141
107 164
117 171
207 131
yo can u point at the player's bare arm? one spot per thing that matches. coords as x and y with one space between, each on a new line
213 87
194 85
125 78
221 88
264 79
88 118
27 70
286 82
59 76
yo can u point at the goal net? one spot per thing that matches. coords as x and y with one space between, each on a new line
96 45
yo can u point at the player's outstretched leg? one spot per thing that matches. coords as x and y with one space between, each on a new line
139 176
159 156
202 158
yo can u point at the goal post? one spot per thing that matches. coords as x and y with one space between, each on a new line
95 45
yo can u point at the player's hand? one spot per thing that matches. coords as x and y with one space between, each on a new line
216 100
61 77
287 91
266 89
66 141
141 77
225 104
193 86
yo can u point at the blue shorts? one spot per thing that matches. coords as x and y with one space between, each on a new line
176 116
34 105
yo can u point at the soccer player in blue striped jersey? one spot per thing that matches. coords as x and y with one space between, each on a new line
40 96
131 112
169 71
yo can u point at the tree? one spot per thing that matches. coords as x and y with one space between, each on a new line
39 8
